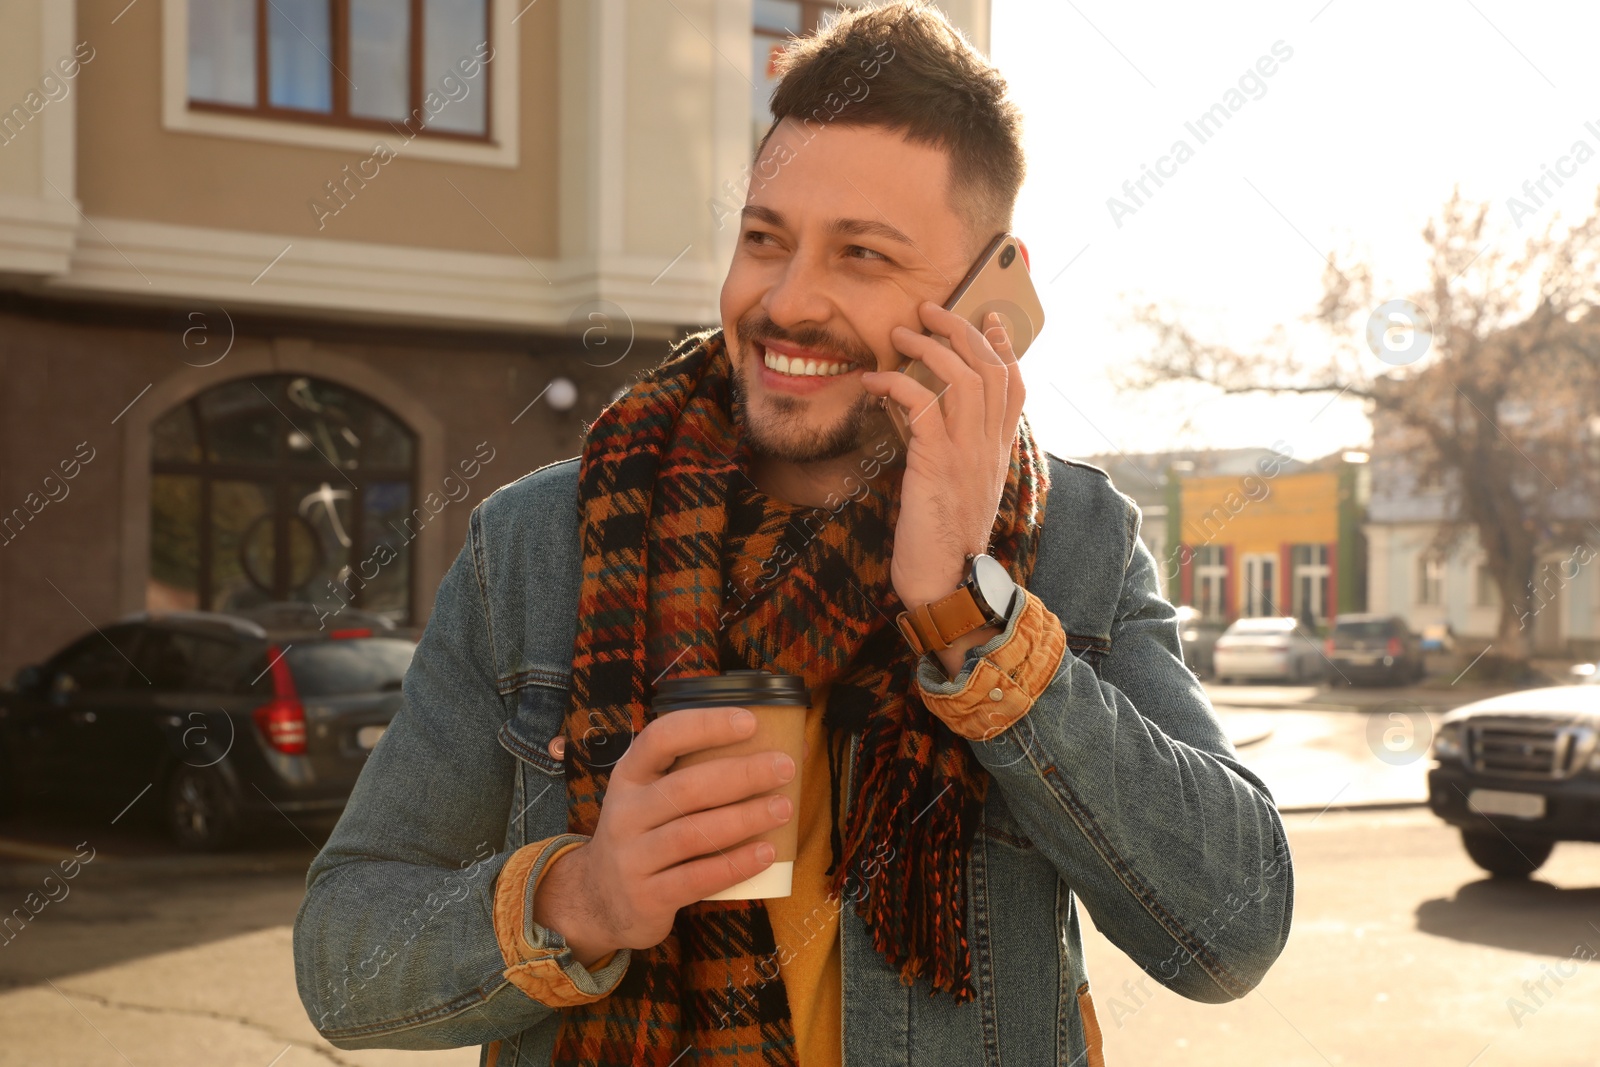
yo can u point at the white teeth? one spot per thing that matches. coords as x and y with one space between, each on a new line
803 367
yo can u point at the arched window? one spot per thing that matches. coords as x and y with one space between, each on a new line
281 488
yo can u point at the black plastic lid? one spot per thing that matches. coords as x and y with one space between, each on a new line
731 689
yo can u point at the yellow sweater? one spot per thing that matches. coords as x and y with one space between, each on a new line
805 924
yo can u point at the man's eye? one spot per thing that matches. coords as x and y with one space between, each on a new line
757 237
859 252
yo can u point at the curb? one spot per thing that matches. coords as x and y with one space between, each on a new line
1360 805
1250 738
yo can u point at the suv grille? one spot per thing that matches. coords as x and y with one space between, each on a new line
1528 749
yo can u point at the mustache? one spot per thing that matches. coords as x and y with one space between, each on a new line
761 329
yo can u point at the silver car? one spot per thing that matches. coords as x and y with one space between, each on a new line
1276 648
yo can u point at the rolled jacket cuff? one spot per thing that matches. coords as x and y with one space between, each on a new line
1002 677
538 960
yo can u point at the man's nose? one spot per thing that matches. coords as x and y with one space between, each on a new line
799 295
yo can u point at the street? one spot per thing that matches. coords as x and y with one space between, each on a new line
1401 952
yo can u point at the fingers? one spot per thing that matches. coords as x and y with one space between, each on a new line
720 781
1016 393
713 831
677 733
912 395
979 367
700 878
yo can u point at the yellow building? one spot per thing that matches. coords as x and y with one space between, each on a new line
1273 541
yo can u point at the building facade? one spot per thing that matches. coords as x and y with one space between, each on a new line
1434 581
286 288
1278 539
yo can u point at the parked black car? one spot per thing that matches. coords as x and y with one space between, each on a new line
1374 648
1518 773
223 720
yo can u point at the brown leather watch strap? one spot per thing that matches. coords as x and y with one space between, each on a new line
933 626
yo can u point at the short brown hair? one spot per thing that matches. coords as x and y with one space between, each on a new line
918 75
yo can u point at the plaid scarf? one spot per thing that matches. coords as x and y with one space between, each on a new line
668 516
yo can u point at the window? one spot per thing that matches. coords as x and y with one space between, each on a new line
282 488
349 665
1430 580
1486 594
380 64
1310 569
187 663
1260 582
1210 582
776 22
98 661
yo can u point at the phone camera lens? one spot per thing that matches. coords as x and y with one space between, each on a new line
1007 256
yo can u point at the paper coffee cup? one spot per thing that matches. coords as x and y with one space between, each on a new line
779 703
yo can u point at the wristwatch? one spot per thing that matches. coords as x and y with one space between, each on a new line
984 599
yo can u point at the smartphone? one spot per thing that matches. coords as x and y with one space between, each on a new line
997 282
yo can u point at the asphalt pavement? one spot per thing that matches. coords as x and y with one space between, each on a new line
1402 953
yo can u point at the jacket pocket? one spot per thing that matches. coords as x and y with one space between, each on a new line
541 713
1091 1028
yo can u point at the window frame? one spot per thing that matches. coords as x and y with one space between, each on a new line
339 109
1430 580
276 479
1311 579
1211 582
500 147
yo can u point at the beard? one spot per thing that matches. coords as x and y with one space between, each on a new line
782 430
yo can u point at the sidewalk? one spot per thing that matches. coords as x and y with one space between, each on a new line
1346 748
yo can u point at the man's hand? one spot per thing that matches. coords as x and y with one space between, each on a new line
958 457
665 840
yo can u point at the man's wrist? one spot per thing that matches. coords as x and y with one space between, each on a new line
952 659
558 906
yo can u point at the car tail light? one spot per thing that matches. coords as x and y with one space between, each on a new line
365 632
1327 647
1394 647
283 723
282 720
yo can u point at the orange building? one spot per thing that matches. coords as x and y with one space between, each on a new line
1273 541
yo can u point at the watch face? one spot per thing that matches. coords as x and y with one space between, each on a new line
993 586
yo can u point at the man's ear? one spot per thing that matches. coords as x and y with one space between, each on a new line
1024 249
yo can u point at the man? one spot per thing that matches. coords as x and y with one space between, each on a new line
520 867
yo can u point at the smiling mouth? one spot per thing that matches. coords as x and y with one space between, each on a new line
803 368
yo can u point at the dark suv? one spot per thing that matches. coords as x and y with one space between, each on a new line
1374 648
1519 772
222 719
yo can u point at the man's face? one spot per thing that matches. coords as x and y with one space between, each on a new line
842 236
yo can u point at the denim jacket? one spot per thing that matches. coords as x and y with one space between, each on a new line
1117 789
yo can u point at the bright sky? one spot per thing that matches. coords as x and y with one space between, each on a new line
1356 140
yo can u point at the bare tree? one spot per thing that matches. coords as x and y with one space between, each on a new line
1488 381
